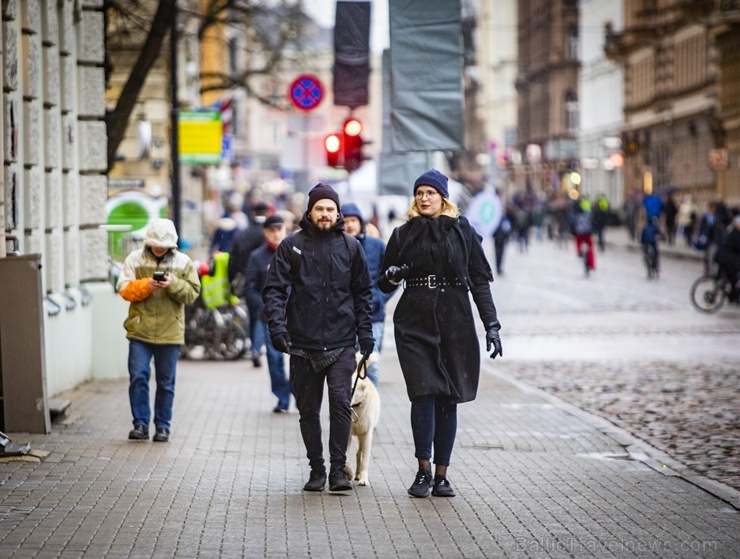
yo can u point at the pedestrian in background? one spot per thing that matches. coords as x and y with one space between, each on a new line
245 242
273 233
686 219
229 224
155 324
374 249
600 219
500 238
582 227
728 258
439 256
318 301
649 239
712 231
671 213
631 209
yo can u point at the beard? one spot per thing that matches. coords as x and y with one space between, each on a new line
324 224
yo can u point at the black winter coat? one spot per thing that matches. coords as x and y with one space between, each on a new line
435 330
326 304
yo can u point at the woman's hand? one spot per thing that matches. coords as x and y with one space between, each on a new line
493 339
396 275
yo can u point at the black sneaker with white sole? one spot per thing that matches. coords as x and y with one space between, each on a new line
442 487
422 484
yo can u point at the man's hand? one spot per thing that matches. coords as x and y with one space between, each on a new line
164 284
396 274
493 339
367 346
281 342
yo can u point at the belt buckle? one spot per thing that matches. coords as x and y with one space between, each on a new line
431 279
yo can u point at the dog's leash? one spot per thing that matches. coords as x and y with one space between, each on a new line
361 374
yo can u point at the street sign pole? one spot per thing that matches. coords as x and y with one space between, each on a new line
306 93
174 138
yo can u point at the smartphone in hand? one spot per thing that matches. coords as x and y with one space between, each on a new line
158 276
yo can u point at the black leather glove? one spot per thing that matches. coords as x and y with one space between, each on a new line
493 339
281 342
367 346
396 274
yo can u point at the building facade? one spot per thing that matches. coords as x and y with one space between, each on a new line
548 120
681 71
496 56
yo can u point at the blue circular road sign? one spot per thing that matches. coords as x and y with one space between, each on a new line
306 92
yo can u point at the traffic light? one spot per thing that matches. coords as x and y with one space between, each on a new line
353 143
333 148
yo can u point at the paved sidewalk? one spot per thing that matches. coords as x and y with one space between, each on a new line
535 478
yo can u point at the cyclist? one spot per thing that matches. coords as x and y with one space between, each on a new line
582 226
649 239
728 258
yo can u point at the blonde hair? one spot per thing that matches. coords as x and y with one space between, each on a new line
449 209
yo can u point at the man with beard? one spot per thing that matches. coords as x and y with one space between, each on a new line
317 299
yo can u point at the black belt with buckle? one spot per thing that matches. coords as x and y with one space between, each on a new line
431 282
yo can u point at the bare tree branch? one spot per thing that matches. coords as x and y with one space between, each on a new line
273 31
118 119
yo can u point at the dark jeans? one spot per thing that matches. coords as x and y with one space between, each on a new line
308 389
140 370
434 422
276 366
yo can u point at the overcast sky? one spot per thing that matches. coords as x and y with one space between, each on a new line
324 11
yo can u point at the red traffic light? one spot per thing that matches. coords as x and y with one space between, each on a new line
352 127
333 148
353 143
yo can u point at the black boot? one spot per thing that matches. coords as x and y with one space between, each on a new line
316 481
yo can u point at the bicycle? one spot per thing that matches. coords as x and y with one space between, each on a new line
650 257
708 293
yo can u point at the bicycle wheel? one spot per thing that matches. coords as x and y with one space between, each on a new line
233 343
584 255
708 294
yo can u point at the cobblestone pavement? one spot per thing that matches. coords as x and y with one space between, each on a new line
630 350
689 411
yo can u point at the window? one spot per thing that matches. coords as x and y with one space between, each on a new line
572 121
571 49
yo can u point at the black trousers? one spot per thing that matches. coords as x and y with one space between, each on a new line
308 389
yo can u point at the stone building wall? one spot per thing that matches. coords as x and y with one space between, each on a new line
54 137
54 184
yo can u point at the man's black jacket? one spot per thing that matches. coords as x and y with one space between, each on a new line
326 303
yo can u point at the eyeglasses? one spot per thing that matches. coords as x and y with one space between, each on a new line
428 194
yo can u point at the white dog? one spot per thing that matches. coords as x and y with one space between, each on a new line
365 416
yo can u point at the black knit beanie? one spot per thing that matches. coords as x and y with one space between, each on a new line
322 192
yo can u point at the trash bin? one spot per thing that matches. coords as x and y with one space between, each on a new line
23 397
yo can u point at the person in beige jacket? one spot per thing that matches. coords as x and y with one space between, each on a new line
158 281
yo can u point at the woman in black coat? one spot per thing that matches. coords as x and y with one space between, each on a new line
439 257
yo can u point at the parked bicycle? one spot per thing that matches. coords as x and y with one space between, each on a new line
217 334
216 325
709 293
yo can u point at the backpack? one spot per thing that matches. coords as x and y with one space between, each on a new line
299 239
